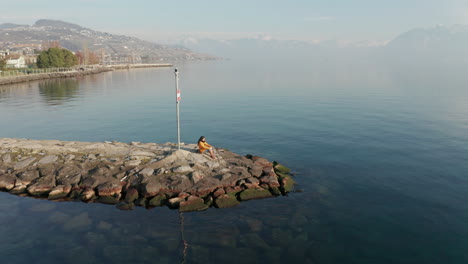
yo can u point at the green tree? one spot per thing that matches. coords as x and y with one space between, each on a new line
56 57
2 63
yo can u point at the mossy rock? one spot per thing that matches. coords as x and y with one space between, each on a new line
141 201
281 169
57 196
287 183
75 194
209 200
131 195
158 200
193 205
126 206
19 190
250 194
275 191
226 200
108 200
282 175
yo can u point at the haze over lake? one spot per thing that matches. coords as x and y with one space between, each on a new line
378 150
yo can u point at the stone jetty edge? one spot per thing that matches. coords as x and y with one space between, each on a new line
137 174
75 73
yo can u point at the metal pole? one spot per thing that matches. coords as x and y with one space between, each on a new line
177 106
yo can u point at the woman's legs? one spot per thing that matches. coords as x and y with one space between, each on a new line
212 153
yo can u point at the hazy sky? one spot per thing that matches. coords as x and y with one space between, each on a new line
351 20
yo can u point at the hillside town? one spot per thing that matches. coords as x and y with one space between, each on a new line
20 45
19 56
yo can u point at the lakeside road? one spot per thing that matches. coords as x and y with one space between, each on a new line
75 72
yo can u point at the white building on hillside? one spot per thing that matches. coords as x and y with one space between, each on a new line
18 62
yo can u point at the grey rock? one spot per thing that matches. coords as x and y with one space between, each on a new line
198 158
253 180
59 192
109 189
196 176
182 169
26 177
152 187
42 185
24 163
6 158
48 159
69 179
160 171
19 189
174 202
146 172
69 157
132 163
212 164
7 181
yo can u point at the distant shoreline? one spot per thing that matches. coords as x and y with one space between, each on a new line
76 72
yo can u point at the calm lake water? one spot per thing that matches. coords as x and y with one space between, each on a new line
380 153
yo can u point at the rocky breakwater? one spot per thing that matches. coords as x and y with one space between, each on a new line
137 174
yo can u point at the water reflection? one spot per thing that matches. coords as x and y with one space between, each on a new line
58 91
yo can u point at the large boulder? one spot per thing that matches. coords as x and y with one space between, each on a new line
7 181
47 159
131 195
152 187
226 200
87 194
42 185
287 182
109 189
6 158
26 177
250 194
193 203
158 200
24 163
146 172
174 202
60 191
281 169
272 181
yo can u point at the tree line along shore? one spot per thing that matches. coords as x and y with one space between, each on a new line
56 62
26 75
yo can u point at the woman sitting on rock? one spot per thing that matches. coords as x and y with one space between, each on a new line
203 145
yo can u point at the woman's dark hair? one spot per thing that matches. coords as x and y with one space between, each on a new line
201 138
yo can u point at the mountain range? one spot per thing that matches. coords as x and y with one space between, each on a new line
446 43
433 44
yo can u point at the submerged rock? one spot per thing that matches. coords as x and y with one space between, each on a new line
226 200
254 194
158 200
281 169
131 195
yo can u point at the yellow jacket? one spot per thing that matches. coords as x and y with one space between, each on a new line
203 146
